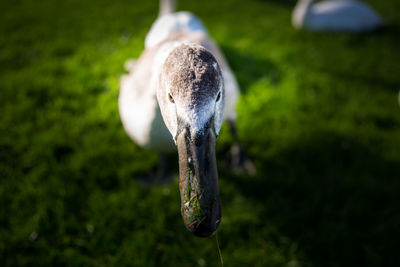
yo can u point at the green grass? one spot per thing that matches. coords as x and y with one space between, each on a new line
318 115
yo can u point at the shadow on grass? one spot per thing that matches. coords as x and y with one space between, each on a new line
337 199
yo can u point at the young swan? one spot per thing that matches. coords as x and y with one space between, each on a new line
176 95
191 98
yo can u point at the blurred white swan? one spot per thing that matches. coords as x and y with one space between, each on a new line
335 15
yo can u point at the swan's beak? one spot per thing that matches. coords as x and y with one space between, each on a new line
198 182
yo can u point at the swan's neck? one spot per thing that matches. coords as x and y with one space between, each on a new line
167 7
305 4
301 12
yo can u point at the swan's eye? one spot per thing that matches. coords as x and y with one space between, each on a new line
170 98
218 96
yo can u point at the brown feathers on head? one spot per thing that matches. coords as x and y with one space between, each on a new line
192 73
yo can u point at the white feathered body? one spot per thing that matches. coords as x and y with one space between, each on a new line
139 109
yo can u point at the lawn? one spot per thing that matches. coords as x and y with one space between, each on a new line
319 116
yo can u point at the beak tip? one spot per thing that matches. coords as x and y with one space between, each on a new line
205 226
203 229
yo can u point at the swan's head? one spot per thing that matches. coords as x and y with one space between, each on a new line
191 98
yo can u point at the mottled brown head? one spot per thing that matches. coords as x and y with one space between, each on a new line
191 90
192 73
